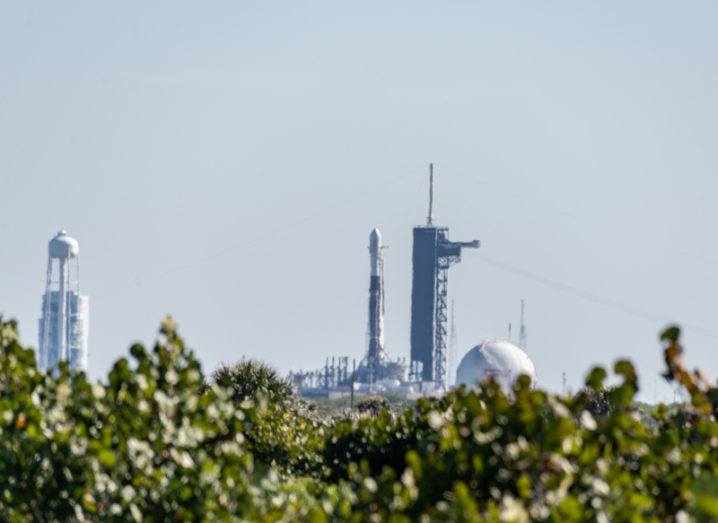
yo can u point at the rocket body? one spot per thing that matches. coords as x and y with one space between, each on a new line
375 354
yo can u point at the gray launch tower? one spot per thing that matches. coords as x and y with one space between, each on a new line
433 255
65 313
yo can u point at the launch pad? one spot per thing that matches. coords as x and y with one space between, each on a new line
433 254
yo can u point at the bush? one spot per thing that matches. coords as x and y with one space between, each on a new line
145 445
286 436
372 405
251 379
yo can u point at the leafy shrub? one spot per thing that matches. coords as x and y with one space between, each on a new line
372 405
145 445
286 436
251 379
485 455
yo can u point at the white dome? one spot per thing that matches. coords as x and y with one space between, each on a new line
62 246
503 360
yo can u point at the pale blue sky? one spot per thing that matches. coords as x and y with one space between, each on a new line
225 162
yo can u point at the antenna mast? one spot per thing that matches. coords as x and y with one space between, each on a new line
523 332
453 345
430 218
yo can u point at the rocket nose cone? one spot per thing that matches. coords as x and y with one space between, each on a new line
374 240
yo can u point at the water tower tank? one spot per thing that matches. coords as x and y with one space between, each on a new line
63 246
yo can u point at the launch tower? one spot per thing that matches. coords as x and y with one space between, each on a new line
65 313
433 255
375 354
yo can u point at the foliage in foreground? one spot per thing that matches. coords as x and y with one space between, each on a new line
287 436
148 444
155 442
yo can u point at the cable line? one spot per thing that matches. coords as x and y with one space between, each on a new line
592 296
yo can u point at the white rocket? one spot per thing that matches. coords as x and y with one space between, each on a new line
376 354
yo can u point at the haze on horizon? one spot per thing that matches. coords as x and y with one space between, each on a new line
225 163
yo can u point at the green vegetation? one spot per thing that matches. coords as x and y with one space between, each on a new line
333 406
157 441
251 379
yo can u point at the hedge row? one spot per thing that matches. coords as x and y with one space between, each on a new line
156 440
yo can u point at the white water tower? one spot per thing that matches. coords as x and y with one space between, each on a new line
65 317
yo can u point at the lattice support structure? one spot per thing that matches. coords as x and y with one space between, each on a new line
441 319
440 322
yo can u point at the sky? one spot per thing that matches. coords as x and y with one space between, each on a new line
225 161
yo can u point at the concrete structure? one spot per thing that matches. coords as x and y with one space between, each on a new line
65 313
433 254
502 360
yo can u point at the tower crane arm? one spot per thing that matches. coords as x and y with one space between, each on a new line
473 244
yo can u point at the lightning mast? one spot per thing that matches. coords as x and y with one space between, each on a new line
430 217
523 332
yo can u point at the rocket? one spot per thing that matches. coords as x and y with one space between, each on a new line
375 354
